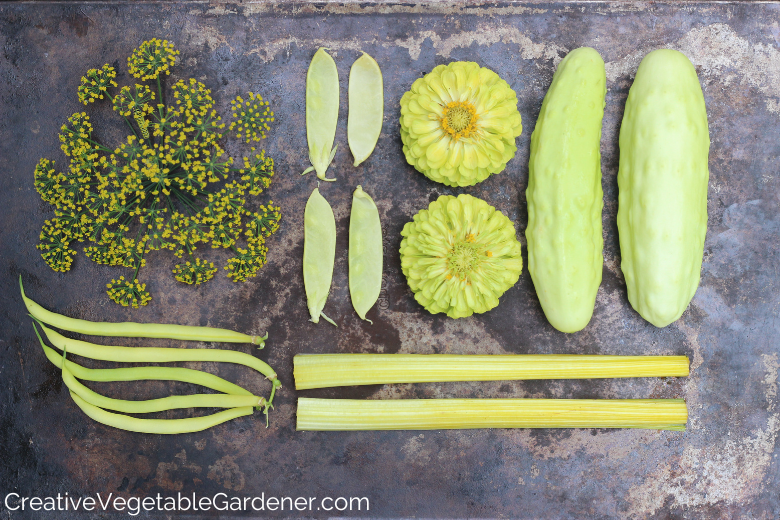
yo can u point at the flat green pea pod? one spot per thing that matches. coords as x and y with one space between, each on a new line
565 199
366 107
365 253
663 176
322 111
319 253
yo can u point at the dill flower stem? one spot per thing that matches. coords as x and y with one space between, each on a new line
100 147
159 95
131 126
186 201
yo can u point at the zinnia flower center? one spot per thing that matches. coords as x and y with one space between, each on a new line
462 260
459 119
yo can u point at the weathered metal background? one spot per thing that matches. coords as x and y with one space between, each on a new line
725 465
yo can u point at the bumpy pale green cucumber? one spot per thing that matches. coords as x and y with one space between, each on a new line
564 192
663 176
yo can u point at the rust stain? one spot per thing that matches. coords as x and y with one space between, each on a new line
227 474
485 34
732 471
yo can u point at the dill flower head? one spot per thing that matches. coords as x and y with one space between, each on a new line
128 292
195 272
95 83
75 135
264 222
55 245
166 186
128 100
460 255
257 172
152 58
251 117
248 261
47 181
459 124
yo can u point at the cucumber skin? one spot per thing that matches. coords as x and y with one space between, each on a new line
565 198
662 182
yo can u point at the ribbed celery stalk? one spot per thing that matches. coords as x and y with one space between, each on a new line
328 370
439 414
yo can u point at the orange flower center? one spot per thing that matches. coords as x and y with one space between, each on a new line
459 119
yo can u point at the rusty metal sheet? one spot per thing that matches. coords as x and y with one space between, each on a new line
725 465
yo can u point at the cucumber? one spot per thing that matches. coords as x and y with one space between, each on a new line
565 199
663 177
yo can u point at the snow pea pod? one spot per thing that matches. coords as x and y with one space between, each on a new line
365 253
319 253
322 111
366 107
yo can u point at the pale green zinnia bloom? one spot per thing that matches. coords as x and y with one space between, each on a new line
459 124
460 255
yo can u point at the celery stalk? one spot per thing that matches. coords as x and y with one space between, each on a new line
329 370
438 414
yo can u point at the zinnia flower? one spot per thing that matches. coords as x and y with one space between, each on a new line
460 255
459 124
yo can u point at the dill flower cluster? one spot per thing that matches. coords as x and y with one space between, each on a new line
251 117
169 185
151 59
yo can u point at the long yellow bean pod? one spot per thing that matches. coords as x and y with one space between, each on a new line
155 355
138 330
441 414
328 370
158 405
159 426
185 375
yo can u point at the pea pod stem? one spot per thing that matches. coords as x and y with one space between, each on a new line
155 355
157 405
138 330
185 375
158 426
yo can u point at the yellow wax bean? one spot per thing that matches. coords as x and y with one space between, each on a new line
158 405
159 426
138 330
156 355
186 375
